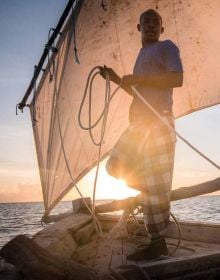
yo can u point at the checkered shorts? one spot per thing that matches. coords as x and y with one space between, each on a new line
144 158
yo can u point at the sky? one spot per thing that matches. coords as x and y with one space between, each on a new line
24 26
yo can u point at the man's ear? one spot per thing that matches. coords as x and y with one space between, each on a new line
139 27
162 30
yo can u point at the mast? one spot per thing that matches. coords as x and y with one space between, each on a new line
49 44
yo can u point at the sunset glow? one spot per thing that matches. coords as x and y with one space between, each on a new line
110 187
107 186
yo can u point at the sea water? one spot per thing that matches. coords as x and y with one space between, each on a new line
25 218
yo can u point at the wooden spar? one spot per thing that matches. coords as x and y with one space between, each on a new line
131 202
203 188
181 193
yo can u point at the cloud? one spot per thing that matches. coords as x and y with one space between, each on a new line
21 192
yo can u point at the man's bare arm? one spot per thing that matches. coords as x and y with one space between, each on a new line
165 80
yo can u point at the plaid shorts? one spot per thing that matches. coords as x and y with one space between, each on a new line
144 158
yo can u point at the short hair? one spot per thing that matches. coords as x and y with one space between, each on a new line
151 11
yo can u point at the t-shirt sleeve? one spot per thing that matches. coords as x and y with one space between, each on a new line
172 58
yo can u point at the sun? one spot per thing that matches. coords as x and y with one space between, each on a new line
109 187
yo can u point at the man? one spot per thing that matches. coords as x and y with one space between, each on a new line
144 154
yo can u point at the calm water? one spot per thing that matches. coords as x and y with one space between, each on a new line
25 218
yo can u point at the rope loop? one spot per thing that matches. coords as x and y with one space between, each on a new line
102 119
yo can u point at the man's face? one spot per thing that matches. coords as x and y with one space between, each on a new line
150 27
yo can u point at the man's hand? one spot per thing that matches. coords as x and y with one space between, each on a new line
113 76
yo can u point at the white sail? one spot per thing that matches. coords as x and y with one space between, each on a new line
109 36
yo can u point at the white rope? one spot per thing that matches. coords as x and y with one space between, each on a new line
102 117
95 219
164 121
179 234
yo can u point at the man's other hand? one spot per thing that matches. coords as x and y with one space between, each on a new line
113 76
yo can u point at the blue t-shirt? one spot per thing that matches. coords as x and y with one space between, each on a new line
158 58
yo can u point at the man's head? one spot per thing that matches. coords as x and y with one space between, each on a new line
150 26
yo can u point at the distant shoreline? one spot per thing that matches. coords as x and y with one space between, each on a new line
102 199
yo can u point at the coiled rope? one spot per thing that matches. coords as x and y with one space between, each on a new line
102 117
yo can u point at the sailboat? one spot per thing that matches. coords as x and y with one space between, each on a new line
88 35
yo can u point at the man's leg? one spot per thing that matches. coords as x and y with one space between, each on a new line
157 182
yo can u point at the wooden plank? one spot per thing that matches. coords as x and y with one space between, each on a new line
83 235
174 268
194 231
201 232
35 263
58 238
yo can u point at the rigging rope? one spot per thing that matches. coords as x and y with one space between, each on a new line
179 234
95 219
164 121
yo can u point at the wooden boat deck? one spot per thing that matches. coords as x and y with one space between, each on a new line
75 238
108 255
71 246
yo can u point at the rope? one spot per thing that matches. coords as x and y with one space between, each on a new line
179 234
96 222
95 219
176 223
88 84
164 121
197 151
101 118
